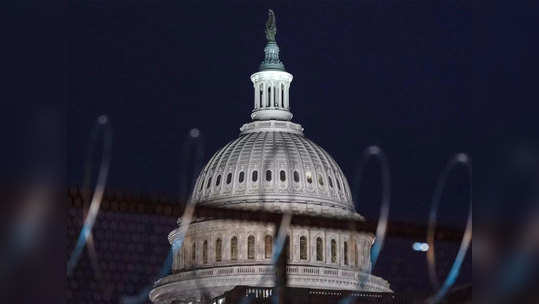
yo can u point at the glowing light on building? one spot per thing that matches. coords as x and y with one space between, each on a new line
419 246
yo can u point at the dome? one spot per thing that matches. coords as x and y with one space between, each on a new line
270 166
272 162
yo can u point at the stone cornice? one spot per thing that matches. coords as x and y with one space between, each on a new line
185 283
271 126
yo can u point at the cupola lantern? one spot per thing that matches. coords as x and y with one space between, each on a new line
271 83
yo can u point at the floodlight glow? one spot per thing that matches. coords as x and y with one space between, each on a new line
419 246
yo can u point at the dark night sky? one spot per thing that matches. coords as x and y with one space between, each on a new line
409 76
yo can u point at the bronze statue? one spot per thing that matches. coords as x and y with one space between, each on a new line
271 28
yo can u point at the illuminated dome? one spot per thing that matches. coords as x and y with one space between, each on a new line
272 162
271 166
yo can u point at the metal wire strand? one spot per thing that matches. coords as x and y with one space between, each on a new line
381 227
184 222
368 153
102 124
459 159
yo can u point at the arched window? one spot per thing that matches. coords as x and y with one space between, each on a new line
361 253
209 183
368 252
218 181
218 250
251 247
205 252
255 176
333 251
282 175
194 252
287 248
180 258
303 248
345 253
320 179
184 256
229 178
330 181
319 249
268 175
241 177
268 246
309 177
296 176
354 254
234 248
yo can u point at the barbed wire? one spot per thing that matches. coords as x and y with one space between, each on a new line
85 238
441 292
381 229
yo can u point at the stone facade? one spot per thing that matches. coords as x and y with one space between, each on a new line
346 267
357 251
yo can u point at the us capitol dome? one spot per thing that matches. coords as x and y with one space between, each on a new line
270 166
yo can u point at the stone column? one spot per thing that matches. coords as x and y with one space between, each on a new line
286 103
271 96
255 96
265 94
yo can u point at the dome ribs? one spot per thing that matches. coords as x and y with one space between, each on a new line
275 148
291 159
254 137
338 175
253 152
323 154
229 158
265 165
204 174
313 151
216 162
300 164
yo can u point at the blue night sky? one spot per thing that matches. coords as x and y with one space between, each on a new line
409 76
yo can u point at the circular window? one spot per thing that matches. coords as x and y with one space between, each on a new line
268 175
218 181
229 178
296 176
255 176
320 180
330 181
209 183
282 175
